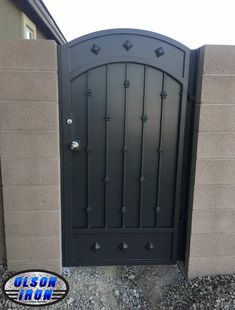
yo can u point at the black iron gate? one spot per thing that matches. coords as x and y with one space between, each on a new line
123 101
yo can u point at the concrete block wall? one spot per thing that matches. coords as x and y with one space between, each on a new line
29 151
212 236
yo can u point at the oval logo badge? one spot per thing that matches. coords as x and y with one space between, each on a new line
35 288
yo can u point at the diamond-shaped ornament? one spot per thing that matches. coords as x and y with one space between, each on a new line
95 49
95 246
150 246
159 51
123 246
127 45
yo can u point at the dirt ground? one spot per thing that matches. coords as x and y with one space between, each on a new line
138 287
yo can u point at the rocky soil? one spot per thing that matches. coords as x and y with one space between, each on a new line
139 287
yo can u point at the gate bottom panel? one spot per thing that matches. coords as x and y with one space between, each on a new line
121 247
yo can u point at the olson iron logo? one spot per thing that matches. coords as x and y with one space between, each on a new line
35 288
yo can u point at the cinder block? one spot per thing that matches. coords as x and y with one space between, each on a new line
203 245
37 55
32 223
29 145
219 59
26 85
26 115
54 265
218 89
214 197
28 198
20 248
214 265
215 117
213 171
218 221
216 145
30 172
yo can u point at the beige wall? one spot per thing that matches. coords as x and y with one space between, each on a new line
10 22
29 150
212 235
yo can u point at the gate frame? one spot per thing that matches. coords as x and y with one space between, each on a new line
183 187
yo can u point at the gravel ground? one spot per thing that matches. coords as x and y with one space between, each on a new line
138 287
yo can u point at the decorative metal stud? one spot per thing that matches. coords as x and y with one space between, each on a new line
95 49
106 180
158 210
142 180
126 83
144 118
107 117
88 92
124 209
96 247
150 246
89 148
88 209
123 246
127 45
160 151
159 51
125 151
163 94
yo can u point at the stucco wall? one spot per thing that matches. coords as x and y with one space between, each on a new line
212 233
29 151
10 22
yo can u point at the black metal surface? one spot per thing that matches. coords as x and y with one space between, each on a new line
126 93
188 177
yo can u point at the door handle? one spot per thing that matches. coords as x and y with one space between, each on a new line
75 146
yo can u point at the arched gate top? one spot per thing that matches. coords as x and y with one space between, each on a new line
127 45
